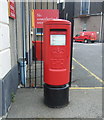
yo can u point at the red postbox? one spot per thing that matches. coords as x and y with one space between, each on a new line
57 44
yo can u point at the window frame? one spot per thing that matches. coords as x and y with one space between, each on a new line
81 8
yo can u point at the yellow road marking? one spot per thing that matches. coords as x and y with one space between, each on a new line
85 88
89 71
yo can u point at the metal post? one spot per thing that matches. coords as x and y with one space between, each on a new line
29 49
53 4
71 55
71 49
41 54
47 4
35 51
23 30
23 38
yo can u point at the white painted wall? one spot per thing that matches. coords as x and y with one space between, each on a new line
5 62
4 11
5 57
4 36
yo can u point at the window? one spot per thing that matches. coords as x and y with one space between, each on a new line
85 7
39 34
38 31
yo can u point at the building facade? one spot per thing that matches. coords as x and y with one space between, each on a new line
16 36
8 64
88 17
11 49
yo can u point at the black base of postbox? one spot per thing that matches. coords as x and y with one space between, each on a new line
56 96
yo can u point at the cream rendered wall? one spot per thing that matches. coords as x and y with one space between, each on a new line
5 57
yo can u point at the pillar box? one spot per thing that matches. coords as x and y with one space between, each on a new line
57 46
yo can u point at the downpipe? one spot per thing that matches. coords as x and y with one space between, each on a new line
23 60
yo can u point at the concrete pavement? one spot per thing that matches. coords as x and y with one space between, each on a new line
84 103
86 96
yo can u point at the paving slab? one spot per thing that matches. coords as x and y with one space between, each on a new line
84 103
